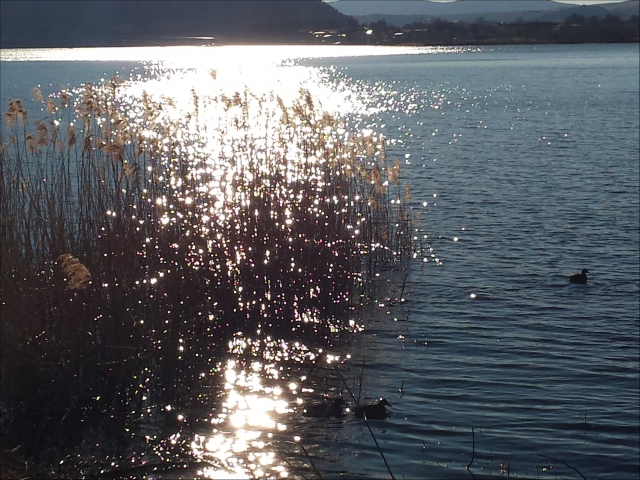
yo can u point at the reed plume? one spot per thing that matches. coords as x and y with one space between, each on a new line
37 95
78 275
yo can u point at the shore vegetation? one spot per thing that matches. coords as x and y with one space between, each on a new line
137 247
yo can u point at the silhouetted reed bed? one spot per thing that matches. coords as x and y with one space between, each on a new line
134 245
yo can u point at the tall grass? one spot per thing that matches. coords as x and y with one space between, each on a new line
135 244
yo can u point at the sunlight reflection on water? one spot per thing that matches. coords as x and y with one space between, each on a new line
186 56
263 69
248 433
227 113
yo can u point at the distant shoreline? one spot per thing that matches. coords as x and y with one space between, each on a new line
487 42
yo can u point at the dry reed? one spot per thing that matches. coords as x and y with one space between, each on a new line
190 234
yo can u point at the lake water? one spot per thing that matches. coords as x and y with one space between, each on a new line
523 162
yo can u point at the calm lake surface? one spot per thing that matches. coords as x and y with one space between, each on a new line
523 163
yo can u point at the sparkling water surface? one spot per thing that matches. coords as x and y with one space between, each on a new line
523 163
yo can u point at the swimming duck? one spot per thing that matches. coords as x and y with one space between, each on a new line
579 277
323 410
373 411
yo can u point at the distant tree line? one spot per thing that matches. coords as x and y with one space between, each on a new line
575 29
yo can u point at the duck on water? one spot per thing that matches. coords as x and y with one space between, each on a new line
373 411
325 410
579 277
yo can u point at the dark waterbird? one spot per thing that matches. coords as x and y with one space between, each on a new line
373 411
324 410
579 277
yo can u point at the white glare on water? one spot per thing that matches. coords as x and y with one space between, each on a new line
188 56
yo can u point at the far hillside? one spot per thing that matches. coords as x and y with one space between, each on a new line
71 23
624 10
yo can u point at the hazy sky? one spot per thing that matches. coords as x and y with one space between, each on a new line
428 7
